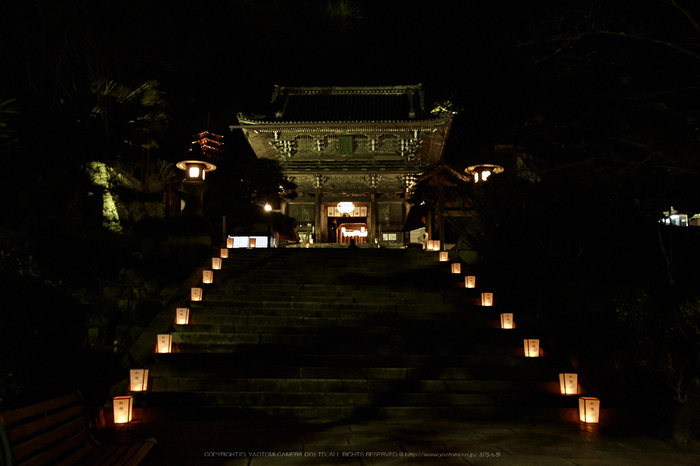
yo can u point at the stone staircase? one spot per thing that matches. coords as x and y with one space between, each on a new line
339 334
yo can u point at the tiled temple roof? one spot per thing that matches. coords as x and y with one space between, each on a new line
347 104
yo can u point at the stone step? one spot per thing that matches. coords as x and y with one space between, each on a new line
282 385
351 367
358 328
173 411
386 399
268 308
282 322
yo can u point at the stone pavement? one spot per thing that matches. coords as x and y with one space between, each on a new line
234 443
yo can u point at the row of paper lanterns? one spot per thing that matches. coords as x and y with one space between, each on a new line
589 407
138 378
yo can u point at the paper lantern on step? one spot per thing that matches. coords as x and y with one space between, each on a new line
589 409
122 406
216 263
251 243
444 256
164 343
229 243
507 320
456 267
138 380
532 348
487 299
470 281
182 315
196 294
207 277
568 384
436 245
224 253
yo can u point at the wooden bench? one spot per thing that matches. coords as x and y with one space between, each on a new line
59 432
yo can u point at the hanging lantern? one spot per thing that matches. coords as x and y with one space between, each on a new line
224 253
507 320
182 316
251 243
589 409
207 277
444 256
229 243
456 267
470 281
122 406
138 379
216 263
568 384
196 294
532 348
165 343
487 299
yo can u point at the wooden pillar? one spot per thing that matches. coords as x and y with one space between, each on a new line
318 182
440 215
373 227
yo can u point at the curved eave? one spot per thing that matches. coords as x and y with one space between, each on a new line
286 126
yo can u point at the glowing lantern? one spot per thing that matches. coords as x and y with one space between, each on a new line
207 276
122 406
251 243
568 384
507 320
139 380
589 409
470 281
196 294
436 245
487 299
195 170
182 316
165 343
216 263
532 348
443 256
456 267
229 243
224 253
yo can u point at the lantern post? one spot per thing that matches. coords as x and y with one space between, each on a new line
194 184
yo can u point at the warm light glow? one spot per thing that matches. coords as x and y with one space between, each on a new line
443 256
251 243
196 294
182 316
353 233
267 207
229 243
165 343
589 409
138 379
456 267
532 348
487 299
568 384
470 281
193 172
345 207
224 252
507 320
122 406
485 174
216 263
207 276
